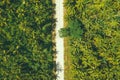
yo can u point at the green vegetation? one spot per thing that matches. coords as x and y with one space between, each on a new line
96 49
73 30
26 40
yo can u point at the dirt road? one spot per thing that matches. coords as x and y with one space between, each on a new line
59 41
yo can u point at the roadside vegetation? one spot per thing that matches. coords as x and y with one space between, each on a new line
26 40
93 29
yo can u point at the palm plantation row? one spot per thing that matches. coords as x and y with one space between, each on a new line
26 47
92 31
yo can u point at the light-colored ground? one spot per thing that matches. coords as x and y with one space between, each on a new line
68 74
59 41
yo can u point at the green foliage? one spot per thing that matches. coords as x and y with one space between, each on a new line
74 29
96 55
26 40
64 32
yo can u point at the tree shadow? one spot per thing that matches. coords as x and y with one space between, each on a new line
58 69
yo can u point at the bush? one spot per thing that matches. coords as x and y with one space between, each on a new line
73 29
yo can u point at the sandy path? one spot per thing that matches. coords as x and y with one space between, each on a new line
59 41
